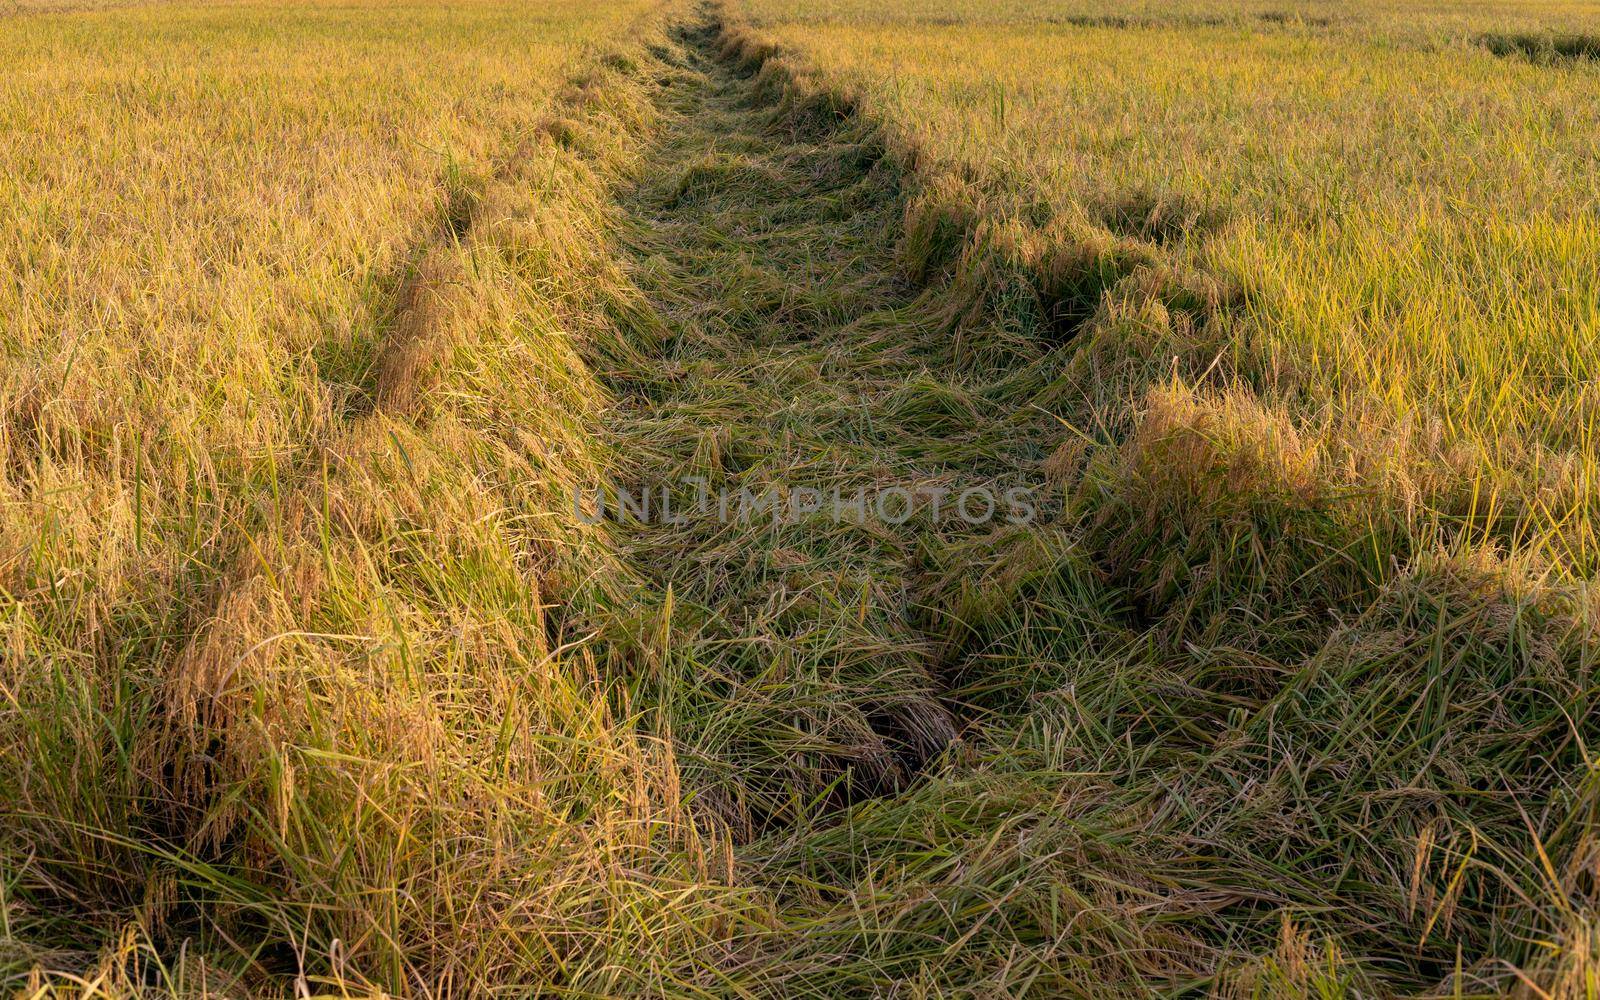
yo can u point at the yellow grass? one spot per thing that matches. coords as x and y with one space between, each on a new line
1323 279
290 397
1407 218
209 212
315 314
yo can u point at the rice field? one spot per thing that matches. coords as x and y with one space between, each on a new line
1407 217
343 657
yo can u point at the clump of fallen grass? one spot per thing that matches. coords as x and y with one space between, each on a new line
1543 48
1225 522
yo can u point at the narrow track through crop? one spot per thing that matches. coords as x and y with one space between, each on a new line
792 366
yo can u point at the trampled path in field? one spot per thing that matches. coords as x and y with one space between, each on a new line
800 404
1173 734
